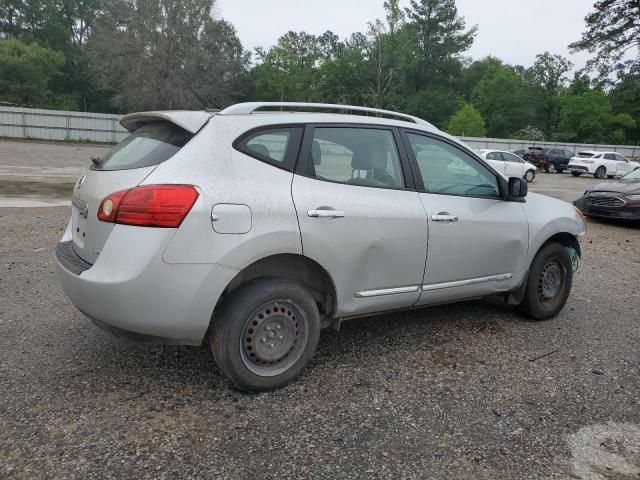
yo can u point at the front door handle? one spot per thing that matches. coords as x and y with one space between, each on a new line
325 213
444 217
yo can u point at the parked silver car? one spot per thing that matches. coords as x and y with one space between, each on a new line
255 227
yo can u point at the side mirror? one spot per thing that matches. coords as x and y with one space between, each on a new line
518 188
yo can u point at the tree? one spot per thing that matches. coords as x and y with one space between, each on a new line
504 100
625 98
589 118
289 69
161 54
613 33
26 71
467 122
548 75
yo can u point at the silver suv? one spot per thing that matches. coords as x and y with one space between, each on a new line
255 227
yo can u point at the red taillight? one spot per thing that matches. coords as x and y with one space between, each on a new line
149 205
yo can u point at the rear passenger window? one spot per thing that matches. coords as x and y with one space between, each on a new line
277 146
355 156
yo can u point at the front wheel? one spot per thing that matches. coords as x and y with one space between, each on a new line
551 168
601 172
529 176
549 282
265 334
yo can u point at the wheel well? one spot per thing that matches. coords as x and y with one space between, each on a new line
297 268
565 239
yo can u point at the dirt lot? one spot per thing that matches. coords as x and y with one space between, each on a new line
462 391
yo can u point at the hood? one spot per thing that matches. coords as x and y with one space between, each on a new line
622 186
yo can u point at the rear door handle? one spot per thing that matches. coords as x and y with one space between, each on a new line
325 213
444 217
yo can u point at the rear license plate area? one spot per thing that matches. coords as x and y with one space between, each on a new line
79 222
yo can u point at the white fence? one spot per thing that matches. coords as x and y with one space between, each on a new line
57 125
99 127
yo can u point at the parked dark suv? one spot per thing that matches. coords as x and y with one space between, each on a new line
549 159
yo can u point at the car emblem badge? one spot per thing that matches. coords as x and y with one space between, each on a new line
81 180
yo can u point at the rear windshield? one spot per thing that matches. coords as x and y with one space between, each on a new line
151 144
585 155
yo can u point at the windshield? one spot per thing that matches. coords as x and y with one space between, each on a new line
151 144
635 175
585 154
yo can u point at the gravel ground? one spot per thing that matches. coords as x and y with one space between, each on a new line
446 392
470 390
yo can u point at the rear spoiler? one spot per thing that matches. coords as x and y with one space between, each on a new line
189 120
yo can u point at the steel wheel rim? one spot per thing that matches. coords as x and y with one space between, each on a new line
274 338
600 173
529 176
552 168
551 282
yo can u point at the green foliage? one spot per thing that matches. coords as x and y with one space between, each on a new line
467 122
613 34
548 79
589 118
124 55
503 98
26 71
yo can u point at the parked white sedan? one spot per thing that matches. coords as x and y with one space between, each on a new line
509 164
601 164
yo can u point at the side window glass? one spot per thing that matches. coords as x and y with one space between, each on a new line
355 156
277 146
512 158
446 169
494 156
609 156
620 158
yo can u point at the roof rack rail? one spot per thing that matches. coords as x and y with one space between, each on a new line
257 107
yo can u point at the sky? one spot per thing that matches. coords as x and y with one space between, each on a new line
512 30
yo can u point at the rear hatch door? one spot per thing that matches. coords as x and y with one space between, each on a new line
155 138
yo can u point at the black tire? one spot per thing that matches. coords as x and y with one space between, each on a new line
543 298
576 174
610 176
551 167
244 331
601 172
530 176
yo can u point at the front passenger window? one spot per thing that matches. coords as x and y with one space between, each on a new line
446 169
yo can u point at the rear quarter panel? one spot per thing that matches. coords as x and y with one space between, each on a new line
226 176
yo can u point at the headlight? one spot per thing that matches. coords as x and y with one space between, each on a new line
633 197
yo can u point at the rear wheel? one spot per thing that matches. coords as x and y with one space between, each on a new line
549 282
529 176
610 176
601 172
551 167
576 174
265 334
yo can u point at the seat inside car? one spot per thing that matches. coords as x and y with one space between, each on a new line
372 159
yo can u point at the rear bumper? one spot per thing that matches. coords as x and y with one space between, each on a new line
580 168
129 289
